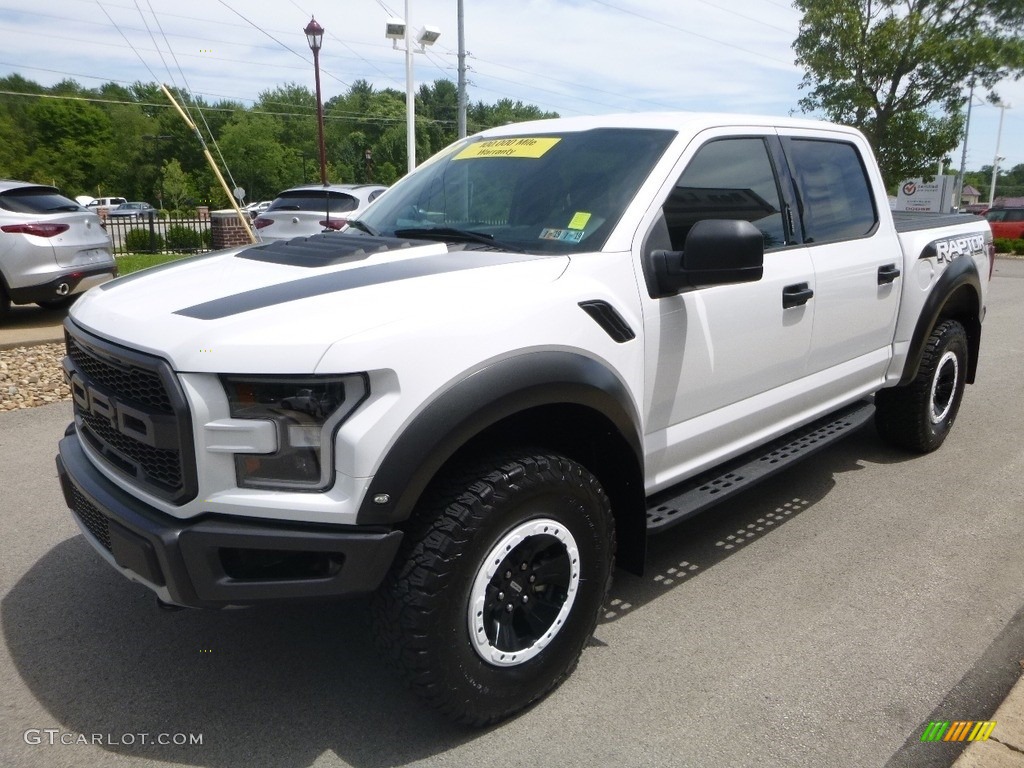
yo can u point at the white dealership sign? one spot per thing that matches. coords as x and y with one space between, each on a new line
936 196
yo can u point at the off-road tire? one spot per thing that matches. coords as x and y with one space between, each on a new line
918 416
422 614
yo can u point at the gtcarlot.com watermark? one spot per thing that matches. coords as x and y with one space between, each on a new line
55 736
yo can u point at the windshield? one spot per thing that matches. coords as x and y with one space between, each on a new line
540 193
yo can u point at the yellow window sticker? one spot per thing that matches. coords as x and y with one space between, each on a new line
579 220
512 147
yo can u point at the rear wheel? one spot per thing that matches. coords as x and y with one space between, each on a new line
919 415
500 585
5 303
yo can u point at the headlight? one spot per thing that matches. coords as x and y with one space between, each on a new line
306 411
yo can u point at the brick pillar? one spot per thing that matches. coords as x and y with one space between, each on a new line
226 231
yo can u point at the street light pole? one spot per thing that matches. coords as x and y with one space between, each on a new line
995 162
410 97
315 35
399 29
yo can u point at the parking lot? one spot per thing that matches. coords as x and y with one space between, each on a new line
821 619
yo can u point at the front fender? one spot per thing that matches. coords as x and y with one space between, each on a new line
481 400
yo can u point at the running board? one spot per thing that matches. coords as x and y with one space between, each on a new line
670 507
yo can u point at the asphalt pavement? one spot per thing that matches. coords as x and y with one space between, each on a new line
824 618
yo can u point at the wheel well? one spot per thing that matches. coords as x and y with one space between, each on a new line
964 306
589 438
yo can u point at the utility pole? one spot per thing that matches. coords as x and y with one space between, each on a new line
462 71
963 156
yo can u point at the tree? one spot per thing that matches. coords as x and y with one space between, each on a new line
177 186
898 69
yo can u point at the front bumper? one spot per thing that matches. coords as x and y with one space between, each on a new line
217 561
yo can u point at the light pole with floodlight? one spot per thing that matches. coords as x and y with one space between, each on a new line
399 29
1003 106
315 36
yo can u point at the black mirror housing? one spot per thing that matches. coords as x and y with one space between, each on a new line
716 252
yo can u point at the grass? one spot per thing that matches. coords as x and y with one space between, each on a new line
133 262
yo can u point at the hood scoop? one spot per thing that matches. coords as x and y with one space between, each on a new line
325 250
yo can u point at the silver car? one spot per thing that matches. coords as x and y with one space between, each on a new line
314 208
51 248
138 211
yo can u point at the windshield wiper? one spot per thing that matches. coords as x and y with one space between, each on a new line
458 235
365 227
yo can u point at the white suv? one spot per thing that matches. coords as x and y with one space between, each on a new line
51 248
314 208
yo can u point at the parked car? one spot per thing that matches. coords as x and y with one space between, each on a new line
1006 222
106 202
255 209
314 208
138 211
51 248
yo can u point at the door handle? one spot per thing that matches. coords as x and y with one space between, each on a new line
888 274
796 295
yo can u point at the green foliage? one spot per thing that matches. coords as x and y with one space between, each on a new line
138 241
1009 245
1009 184
135 261
898 69
176 185
183 238
129 141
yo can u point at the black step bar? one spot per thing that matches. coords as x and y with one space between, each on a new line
677 504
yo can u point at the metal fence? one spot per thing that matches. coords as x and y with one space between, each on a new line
152 234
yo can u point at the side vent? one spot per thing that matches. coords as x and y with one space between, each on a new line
604 314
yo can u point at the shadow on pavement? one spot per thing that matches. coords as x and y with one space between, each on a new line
281 685
275 686
698 544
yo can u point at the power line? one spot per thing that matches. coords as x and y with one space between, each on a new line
685 31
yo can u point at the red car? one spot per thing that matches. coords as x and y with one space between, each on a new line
1006 222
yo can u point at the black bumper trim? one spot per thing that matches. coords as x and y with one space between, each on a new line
47 291
188 556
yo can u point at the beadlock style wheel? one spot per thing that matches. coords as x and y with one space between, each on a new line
503 573
944 386
919 415
523 592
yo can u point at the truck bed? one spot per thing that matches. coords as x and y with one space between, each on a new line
910 221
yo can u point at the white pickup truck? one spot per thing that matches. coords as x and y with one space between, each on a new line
549 341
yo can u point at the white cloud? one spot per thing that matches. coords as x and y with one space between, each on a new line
568 56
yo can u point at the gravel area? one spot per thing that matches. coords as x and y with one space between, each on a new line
31 376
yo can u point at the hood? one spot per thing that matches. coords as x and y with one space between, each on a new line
224 312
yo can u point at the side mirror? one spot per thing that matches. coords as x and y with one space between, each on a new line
716 252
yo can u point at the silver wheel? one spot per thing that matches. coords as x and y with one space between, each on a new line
944 387
523 592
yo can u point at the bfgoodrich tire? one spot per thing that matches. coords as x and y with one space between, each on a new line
919 415
499 586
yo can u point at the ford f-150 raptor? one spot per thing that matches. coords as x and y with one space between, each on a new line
549 341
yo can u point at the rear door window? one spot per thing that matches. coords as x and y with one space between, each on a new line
834 191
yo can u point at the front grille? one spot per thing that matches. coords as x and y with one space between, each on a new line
94 521
131 383
131 410
161 467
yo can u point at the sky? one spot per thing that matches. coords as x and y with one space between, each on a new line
574 57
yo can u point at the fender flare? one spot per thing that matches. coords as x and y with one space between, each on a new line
962 272
481 400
